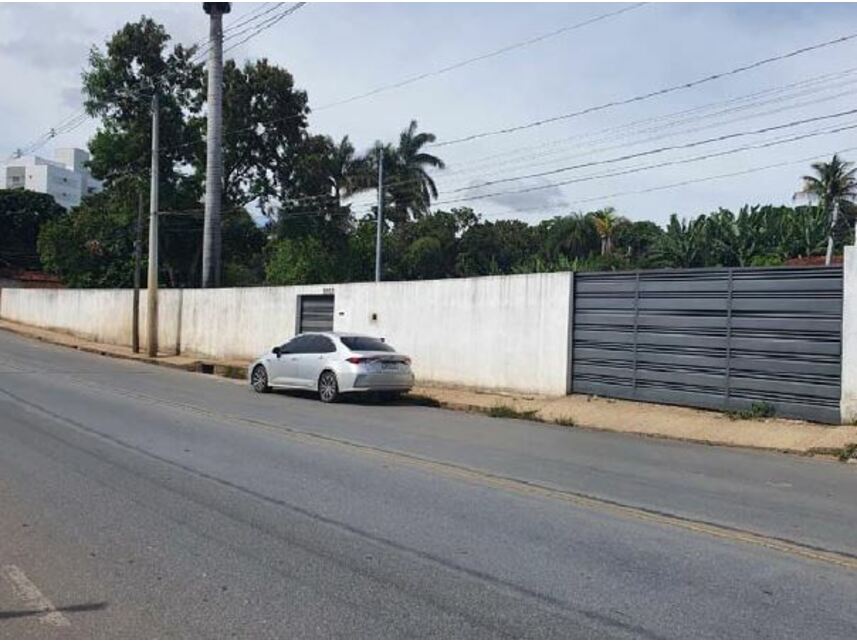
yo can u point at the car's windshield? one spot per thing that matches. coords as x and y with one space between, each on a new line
366 344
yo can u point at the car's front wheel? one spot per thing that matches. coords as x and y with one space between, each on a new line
328 387
259 380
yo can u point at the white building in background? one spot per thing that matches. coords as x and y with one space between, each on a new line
66 178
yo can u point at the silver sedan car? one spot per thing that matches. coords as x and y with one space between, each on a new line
331 364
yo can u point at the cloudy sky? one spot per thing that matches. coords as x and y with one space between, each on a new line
337 51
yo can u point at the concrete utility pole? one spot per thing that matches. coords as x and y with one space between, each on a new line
138 258
152 284
213 162
380 220
829 257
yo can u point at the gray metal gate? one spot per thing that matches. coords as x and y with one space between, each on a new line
712 338
315 313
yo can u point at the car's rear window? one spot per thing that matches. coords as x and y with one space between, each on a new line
367 344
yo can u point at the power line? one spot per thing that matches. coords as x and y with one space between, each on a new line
266 25
80 116
666 148
435 72
648 95
694 116
714 177
633 170
469 61
625 157
235 29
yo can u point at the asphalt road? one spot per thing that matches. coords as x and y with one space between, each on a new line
137 501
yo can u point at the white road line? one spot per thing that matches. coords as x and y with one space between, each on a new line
33 598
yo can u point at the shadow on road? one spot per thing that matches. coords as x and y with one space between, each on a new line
367 399
84 607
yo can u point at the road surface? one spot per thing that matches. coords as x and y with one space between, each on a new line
137 501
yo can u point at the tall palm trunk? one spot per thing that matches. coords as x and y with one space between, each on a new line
829 257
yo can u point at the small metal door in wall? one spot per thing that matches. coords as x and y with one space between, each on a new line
315 313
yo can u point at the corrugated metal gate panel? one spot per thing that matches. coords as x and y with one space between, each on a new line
316 313
720 339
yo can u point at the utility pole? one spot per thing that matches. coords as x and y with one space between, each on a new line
829 257
213 162
138 257
380 220
152 284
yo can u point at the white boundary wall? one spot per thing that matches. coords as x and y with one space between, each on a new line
848 405
499 332
509 332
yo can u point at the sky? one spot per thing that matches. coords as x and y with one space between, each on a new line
336 51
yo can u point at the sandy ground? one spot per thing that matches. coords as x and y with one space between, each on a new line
582 411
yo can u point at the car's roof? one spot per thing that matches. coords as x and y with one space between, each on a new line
337 333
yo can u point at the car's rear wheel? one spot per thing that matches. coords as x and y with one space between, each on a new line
259 380
328 387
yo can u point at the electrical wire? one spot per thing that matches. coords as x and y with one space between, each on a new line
633 170
642 97
491 54
621 132
664 148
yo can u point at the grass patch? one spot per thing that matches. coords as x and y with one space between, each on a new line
503 411
850 451
756 411
565 420
232 372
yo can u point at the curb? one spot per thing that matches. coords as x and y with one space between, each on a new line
230 371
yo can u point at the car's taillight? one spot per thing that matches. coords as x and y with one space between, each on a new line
359 360
407 360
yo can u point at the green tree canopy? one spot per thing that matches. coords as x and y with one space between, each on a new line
22 215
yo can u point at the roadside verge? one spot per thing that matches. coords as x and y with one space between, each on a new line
580 411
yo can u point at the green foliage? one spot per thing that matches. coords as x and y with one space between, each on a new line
92 246
495 247
848 453
565 420
118 86
301 261
503 411
757 410
303 183
22 214
259 161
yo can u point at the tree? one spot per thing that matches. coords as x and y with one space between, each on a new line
802 231
93 245
427 248
572 237
22 215
495 247
637 239
606 222
265 119
833 185
118 86
301 261
408 186
683 244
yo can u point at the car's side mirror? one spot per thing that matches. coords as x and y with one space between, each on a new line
276 351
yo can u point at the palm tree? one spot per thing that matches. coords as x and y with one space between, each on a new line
606 221
411 186
833 185
342 169
569 236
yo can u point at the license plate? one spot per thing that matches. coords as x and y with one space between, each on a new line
389 366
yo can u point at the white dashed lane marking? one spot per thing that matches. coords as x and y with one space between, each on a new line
33 597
